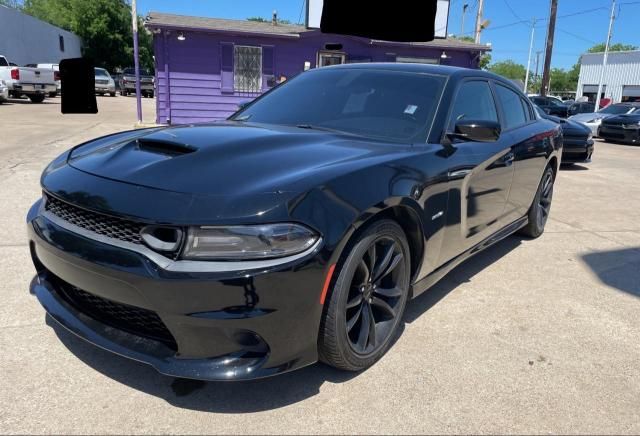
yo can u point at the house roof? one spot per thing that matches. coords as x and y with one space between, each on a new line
160 19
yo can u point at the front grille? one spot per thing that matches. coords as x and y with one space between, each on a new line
116 228
102 81
135 320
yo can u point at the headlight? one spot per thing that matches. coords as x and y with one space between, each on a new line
247 242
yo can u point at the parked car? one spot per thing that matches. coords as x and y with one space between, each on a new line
582 107
128 82
577 141
551 105
594 119
291 232
35 83
621 128
56 76
4 92
104 83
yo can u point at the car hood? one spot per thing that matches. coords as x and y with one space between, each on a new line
586 117
624 119
230 158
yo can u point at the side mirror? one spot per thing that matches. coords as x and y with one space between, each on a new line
244 104
476 131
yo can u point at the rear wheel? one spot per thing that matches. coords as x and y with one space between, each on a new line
112 94
539 210
38 98
368 299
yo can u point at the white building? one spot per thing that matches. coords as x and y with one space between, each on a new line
27 40
621 78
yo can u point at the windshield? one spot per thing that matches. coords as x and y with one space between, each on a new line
389 105
615 109
555 102
100 72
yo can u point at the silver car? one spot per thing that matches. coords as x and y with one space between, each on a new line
4 92
594 119
104 83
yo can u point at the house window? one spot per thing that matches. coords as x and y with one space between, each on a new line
61 42
326 58
247 67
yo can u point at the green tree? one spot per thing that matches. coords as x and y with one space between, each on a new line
509 69
103 25
599 48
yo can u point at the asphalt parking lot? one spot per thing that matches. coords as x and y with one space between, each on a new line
531 336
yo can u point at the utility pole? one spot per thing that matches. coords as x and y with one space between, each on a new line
549 48
136 62
479 21
526 78
464 11
606 53
538 63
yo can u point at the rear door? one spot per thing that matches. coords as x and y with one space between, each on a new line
531 146
480 189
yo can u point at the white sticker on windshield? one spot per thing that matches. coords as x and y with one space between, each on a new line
411 109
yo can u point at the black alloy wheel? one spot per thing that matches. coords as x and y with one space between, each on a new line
541 207
544 200
368 299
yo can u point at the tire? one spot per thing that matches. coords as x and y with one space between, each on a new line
39 98
539 210
53 94
356 302
112 94
151 95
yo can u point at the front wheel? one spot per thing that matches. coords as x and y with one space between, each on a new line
539 210
365 307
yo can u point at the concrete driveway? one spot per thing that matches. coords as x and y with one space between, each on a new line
531 336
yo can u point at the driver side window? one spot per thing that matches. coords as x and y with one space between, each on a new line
474 101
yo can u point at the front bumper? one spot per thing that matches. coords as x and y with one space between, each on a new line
577 150
229 325
619 133
105 88
594 128
144 87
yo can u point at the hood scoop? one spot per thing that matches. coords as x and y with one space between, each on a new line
165 147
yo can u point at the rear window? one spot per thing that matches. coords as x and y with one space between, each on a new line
3 62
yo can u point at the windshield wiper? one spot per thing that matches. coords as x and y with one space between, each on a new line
324 129
242 118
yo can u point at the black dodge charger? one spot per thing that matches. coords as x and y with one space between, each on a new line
295 231
621 128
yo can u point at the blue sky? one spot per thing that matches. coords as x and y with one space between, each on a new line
586 26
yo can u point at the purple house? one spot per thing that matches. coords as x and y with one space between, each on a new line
205 67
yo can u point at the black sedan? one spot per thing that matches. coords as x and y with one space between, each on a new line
577 139
551 105
621 128
295 231
581 107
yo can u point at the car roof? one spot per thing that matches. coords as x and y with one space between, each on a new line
443 70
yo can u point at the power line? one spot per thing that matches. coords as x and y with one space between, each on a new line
301 9
577 36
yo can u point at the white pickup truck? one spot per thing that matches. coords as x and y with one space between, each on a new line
35 83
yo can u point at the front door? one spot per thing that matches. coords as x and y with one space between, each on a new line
478 192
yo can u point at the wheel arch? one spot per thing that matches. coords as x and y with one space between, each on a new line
405 214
